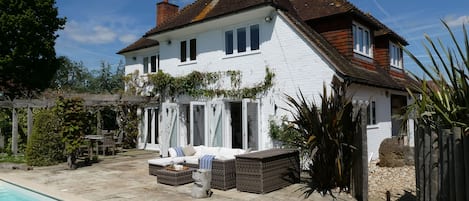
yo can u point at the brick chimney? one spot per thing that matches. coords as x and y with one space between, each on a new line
164 10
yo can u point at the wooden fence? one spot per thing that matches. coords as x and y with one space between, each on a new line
442 164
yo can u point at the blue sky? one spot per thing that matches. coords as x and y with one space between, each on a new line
97 29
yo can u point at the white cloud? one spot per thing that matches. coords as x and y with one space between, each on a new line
128 38
457 21
94 34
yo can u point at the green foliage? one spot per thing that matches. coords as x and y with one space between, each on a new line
27 55
8 158
74 77
198 84
45 145
327 132
129 125
73 123
444 98
289 137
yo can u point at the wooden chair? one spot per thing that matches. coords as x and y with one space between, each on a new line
108 142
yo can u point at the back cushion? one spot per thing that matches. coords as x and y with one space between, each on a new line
172 152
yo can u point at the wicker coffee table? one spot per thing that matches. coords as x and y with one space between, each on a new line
174 177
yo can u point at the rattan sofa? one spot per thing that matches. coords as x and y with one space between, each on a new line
223 166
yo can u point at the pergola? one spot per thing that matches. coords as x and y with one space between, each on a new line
90 100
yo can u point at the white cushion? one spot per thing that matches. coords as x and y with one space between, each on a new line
166 161
192 160
172 152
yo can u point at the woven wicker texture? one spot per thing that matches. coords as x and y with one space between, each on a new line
174 178
266 171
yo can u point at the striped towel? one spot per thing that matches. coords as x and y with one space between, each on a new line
179 151
206 162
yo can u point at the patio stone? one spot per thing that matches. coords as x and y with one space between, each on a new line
125 177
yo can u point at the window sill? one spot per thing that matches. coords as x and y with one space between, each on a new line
396 68
234 55
376 126
363 56
187 63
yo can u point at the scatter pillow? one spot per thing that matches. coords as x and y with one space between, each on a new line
188 150
179 151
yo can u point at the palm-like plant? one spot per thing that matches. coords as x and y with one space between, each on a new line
328 132
444 97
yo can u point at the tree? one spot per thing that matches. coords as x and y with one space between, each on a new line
71 76
27 55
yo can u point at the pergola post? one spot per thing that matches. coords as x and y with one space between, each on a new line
14 132
30 122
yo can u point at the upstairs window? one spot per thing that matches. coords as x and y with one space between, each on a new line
183 51
153 64
241 33
395 55
229 42
361 40
254 37
192 50
242 37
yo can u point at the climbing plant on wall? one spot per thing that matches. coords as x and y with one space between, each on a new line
198 84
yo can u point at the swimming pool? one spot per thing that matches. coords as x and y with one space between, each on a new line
10 191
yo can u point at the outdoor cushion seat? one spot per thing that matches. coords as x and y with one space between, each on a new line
223 166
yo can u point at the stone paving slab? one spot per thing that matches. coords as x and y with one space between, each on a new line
125 177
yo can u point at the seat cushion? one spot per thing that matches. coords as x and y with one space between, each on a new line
166 161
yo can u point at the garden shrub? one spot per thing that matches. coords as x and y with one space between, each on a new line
45 146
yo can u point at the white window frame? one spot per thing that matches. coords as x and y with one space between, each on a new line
395 55
248 48
188 48
362 43
371 114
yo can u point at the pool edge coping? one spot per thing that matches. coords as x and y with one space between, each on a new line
42 188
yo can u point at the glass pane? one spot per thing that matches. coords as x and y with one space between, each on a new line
360 39
367 43
229 42
241 33
145 65
255 37
193 49
183 51
153 64
149 123
156 128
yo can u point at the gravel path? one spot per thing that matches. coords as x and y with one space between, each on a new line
399 181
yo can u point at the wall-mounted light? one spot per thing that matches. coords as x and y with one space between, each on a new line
134 58
268 19
169 42
386 93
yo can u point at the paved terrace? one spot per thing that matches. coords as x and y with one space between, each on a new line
125 177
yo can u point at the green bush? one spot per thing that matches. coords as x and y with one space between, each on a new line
45 146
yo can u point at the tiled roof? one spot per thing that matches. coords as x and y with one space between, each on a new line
297 12
139 44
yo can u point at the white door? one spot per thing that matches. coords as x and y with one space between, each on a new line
250 123
169 127
150 135
215 117
198 123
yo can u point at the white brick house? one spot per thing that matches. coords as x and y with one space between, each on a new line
304 51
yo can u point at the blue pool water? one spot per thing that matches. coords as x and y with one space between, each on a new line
13 192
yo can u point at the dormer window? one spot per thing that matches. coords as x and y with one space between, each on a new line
361 40
395 55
